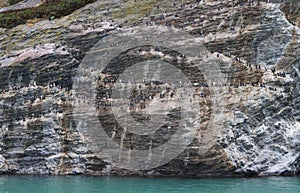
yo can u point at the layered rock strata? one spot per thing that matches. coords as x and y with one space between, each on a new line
255 45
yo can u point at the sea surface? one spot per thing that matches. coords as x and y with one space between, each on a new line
81 184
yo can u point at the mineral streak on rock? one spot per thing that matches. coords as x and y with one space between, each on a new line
254 43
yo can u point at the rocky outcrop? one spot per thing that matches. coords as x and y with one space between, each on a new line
291 11
254 45
22 5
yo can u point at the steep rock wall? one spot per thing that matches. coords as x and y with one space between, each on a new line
254 45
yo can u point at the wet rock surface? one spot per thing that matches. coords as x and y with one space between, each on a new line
255 45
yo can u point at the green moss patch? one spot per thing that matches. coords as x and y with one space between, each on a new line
138 7
49 10
12 2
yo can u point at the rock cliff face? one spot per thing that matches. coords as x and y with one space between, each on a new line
255 46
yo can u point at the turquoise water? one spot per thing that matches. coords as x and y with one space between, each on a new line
79 184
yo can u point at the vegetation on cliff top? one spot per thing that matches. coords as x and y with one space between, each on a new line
50 9
12 2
